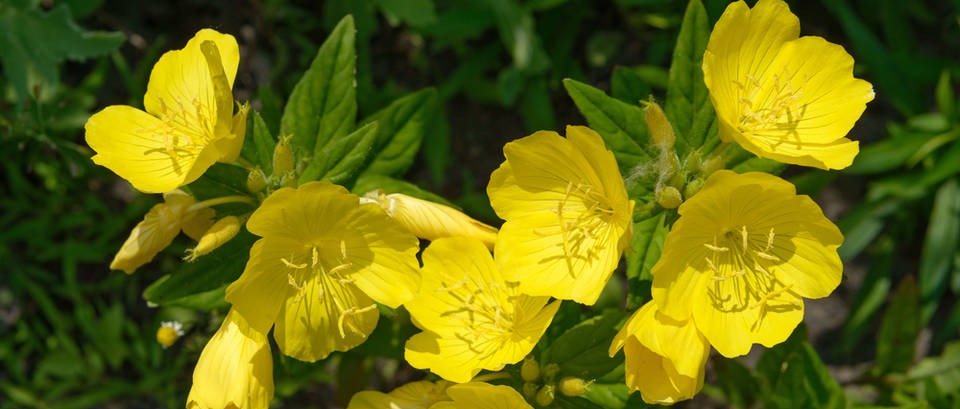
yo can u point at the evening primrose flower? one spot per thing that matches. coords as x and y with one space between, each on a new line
429 220
568 218
320 266
189 122
743 253
472 318
235 369
665 358
781 96
158 229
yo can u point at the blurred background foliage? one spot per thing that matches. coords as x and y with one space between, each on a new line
75 335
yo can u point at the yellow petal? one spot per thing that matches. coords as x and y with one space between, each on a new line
235 369
143 150
655 377
157 230
385 256
429 220
197 223
265 283
481 395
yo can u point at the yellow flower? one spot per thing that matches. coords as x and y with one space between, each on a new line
665 358
472 319
168 333
322 261
568 218
429 220
235 369
441 395
781 96
744 251
414 395
188 124
158 229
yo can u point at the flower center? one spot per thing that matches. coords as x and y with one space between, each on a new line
773 111
184 129
303 268
485 317
742 266
579 223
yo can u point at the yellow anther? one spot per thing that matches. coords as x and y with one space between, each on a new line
743 234
717 249
290 264
350 312
767 256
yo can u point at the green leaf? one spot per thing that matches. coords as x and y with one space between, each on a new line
582 350
946 101
323 104
735 383
862 224
518 34
35 42
260 149
868 300
416 13
342 157
620 124
209 272
367 183
688 105
943 369
890 153
939 247
632 84
899 330
645 248
403 124
797 378
223 180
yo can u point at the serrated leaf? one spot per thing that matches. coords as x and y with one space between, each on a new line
939 247
209 272
367 183
342 158
259 150
644 251
35 41
582 350
323 104
899 329
688 105
620 124
403 124
943 369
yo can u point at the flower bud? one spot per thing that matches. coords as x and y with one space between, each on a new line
218 234
669 197
573 386
429 220
659 126
282 157
545 395
256 181
530 370
692 188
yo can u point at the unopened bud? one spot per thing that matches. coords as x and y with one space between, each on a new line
692 188
669 197
530 370
168 333
573 386
256 181
659 126
282 157
545 395
218 234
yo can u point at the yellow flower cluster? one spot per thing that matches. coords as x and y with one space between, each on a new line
734 269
